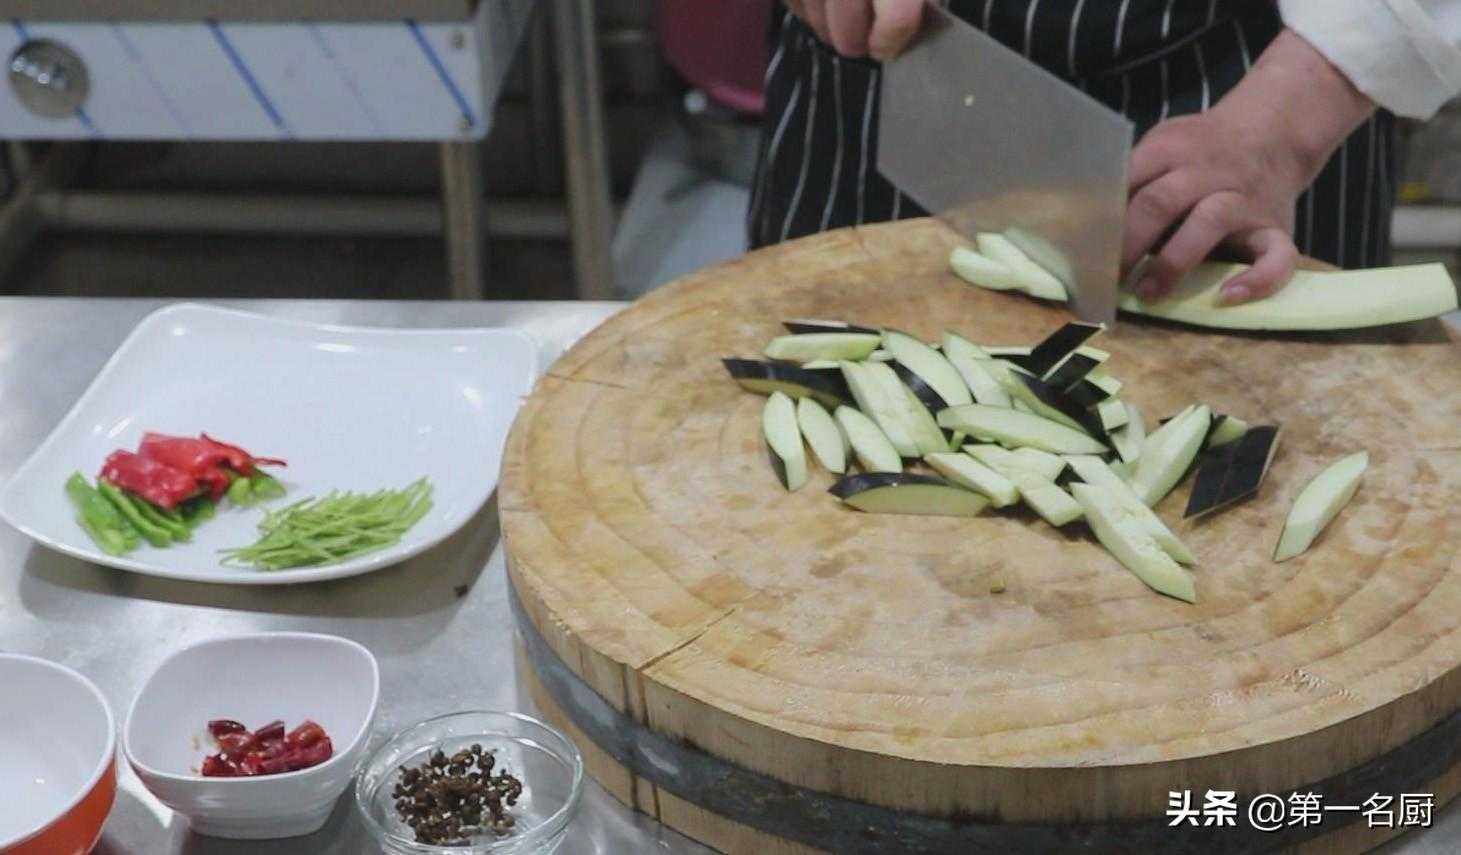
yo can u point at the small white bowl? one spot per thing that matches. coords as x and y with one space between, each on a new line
253 679
58 775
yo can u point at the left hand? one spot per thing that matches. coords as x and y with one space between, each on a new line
1231 175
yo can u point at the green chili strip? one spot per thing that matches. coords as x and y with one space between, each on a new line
333 528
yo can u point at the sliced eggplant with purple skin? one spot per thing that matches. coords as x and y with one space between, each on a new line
1053 504
1233 472
917 419
870 445
826 387
874 401
1226 429
929 365
1129 439
826 440
920 389
903 493
1086 393
974 366
1058 406
1070 370
784 441
1113 414
1169 453
813 346
1059 344
803 326
1098 473
1131 543
970 473
1319 503
1003 425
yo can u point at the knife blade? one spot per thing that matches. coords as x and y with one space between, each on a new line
989 141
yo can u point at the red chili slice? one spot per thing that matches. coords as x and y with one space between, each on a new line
219 726
158 483
307 734
270 732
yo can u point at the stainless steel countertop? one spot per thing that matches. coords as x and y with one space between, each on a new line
439 624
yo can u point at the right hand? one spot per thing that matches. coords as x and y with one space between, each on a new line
858 28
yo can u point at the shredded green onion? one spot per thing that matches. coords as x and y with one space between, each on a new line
334 528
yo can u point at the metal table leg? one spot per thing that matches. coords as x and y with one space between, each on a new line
21 221
464 218
590 208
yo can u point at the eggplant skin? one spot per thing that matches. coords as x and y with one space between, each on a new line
805 326
1072 371
1067 405
919 387
1058 344
1086 393
764 377
854 484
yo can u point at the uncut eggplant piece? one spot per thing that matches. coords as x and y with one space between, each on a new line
1233 472
784 441
763 378
1016 428
810 346
1169 453
970 361
1226 429
875 402
826 440
1319 503
1128 440
921 495
803 326
928 365
967 472
870 445
1130 543
1053 504
1099 474
1059 344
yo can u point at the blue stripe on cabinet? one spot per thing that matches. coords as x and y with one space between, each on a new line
443 74
249 80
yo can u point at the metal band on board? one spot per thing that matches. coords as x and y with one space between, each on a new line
841 825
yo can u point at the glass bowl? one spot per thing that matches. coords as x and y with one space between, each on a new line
546 761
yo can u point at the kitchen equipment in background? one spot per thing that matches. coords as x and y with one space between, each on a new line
991 142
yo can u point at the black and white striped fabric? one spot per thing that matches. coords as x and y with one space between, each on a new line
1150 59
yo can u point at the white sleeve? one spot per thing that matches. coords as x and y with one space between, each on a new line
1404 54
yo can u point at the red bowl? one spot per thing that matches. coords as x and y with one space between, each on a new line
59 777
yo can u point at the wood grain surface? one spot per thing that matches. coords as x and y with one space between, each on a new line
865 656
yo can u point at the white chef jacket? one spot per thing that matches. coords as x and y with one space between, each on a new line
1404 54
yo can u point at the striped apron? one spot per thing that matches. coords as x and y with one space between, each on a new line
1150 59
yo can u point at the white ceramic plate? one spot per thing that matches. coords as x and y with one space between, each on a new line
349 408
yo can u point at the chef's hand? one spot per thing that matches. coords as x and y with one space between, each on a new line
876 28
1231 175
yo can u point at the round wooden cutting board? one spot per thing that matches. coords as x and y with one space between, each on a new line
774 672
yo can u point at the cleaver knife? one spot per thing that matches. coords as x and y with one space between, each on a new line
990 142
